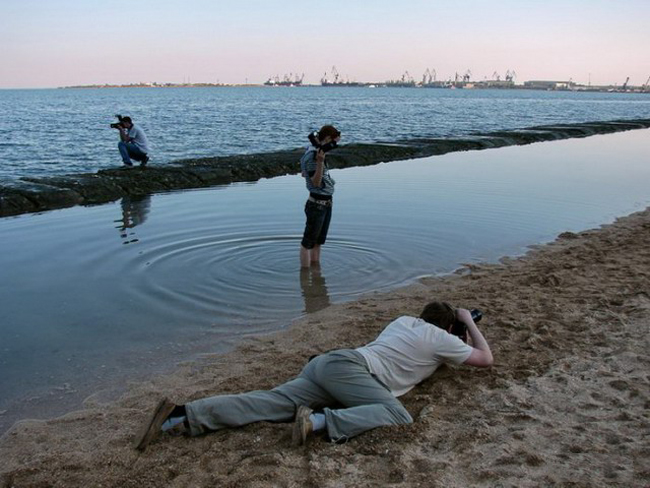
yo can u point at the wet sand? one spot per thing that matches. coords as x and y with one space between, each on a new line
566 403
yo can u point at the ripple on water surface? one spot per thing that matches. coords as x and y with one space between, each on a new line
94 295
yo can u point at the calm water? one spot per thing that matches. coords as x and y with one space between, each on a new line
92 296
66 131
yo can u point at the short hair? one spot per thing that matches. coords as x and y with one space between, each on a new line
127 120
440 314
328 130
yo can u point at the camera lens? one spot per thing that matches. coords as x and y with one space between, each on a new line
476 315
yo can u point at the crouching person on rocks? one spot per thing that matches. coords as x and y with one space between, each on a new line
133 142
363 384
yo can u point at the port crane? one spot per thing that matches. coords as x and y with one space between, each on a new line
335 74
467 76
287 80
511 75
290 78
428 76
407 78
625 84
335 77
496 76
645 85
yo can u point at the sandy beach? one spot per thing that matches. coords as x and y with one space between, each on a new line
566 403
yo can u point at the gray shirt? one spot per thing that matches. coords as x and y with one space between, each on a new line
138 138
409 350
308 168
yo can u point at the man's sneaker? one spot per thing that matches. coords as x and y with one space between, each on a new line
152 428
302 426
144 161
179 429
128 165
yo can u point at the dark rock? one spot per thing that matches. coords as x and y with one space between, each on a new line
39 194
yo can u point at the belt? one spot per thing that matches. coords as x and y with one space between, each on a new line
327 203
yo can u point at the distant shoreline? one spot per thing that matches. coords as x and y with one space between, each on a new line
480 85
31 194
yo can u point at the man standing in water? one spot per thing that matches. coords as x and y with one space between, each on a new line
320 185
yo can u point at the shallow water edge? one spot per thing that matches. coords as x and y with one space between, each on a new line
564 323
28 195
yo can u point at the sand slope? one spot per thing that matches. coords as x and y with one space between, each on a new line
566 404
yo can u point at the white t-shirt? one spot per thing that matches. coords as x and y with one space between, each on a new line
410 350
139 139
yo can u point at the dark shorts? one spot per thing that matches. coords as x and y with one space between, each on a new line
318 223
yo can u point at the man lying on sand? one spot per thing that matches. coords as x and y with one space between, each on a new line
365 382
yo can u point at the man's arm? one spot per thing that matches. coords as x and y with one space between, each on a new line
124 135
317 177
481 355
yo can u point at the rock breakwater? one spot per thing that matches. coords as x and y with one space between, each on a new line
27 195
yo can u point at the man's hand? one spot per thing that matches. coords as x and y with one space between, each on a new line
464 315
320 157
124 135
481 356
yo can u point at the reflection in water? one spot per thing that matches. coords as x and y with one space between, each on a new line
221 262
134 212
314 289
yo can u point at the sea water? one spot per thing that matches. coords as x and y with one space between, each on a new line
54 132
91 297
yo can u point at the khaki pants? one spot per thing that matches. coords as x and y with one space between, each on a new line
337 378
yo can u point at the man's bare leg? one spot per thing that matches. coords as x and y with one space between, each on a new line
315 254
305 257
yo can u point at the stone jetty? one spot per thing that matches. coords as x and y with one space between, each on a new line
27 195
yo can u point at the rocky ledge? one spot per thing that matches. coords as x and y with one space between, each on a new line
47 193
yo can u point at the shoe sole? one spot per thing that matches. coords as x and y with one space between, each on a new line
300 426
151 430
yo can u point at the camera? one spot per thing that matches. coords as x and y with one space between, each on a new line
459 328
313 138
118 125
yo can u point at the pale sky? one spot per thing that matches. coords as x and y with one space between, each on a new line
50 43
